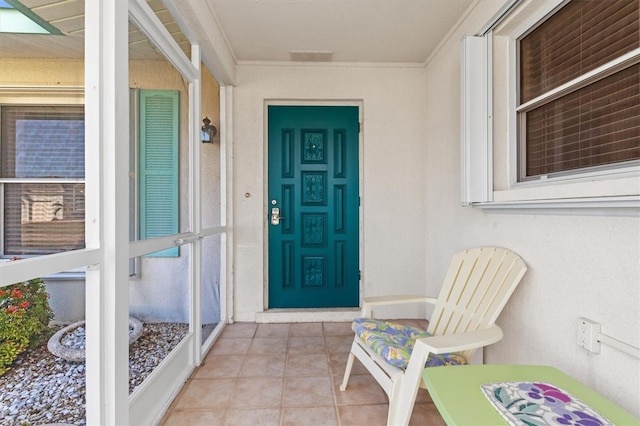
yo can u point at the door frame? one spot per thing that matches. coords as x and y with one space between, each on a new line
265 190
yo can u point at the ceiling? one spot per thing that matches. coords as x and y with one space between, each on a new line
68 17
346 31
400 31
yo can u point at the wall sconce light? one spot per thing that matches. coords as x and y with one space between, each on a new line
207 131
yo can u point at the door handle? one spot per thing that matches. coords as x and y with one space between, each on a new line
275 216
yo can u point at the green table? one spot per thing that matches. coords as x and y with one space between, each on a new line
455 390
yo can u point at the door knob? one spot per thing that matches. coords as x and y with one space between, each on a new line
275 216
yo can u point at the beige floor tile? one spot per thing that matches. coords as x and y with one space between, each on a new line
422 414
263 365
268 346
307 392
338 362
423 396
306 345
307 365
426 414
257 392
316 416
286 374
195 418
359 415
253 417
362 389
272 330
338 343
306 329
206 394
337 329
219 366
231 346
174 403
239 329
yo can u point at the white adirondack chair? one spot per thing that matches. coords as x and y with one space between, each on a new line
476 288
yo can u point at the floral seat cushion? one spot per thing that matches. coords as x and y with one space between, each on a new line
394 342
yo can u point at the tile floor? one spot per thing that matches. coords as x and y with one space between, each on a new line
285 374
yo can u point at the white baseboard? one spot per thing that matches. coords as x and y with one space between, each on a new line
307 315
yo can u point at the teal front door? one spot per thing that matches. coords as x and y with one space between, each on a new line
313 206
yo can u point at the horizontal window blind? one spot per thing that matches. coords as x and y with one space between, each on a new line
43 218
596 125
580 37
42 142
593 125
46 144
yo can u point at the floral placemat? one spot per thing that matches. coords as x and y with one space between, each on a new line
538 404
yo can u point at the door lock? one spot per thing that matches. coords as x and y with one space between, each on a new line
275 216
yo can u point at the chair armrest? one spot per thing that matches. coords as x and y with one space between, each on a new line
370 302
460 341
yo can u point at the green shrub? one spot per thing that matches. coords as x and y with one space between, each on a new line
24 317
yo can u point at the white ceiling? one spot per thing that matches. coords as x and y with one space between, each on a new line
364 31
400 31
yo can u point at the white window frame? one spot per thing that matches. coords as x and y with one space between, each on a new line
591 192
11 96
584 80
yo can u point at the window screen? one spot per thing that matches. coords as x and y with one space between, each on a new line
42 177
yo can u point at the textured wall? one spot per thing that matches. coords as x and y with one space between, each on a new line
392 162
578 265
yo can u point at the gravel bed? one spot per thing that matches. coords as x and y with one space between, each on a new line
41 388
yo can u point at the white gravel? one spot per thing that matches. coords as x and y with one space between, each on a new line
41 388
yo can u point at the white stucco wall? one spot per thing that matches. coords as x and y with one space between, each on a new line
578 265
392 161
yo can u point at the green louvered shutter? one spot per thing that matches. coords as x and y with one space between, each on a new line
158 169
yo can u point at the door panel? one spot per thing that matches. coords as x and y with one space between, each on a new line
313 184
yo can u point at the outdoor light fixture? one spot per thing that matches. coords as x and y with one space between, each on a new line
207 131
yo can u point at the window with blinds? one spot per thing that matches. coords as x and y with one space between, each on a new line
579 90
42 179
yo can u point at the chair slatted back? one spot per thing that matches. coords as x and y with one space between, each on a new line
475 290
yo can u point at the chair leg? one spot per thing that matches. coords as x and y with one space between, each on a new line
404 394
401 404
392 415
347 371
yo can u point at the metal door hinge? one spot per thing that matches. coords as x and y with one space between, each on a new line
359 127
